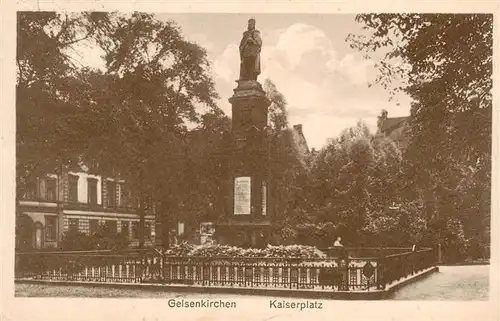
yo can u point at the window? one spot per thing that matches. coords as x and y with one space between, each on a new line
50 228
135 230
127 198
31 190
92 190
73 225
125 228
241 142
134 200
147 230
124 195
121 194
264 198
50 189
93 226
110 228
111 194
73 188
180 228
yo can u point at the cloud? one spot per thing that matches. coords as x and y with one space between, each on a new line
325 92
319 129
356 69
299 39
226 66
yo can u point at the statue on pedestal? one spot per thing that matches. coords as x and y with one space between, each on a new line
246 219
250 47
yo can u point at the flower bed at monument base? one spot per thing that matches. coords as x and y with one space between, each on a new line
289 251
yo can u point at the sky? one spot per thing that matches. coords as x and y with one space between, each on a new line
325 82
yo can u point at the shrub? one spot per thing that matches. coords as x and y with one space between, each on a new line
78 241
295 251
455 245
182 249
289 251
401 228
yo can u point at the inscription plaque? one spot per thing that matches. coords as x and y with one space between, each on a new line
242 192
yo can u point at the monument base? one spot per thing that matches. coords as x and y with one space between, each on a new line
243 234
247 219
247 89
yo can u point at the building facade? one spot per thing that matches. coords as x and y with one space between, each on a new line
55 204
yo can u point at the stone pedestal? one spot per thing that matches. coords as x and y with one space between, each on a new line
247 219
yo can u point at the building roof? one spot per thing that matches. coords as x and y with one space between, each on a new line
299 139
389 124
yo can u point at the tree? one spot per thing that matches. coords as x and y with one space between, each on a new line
46 81
277 113
402 225
288 168
446 62
137 110
355 180
207 162
290 180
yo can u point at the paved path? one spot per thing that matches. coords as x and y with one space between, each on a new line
455 283
40 290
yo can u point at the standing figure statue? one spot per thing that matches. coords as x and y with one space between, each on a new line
250 47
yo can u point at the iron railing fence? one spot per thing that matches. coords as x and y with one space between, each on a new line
341 273
285 273
79 267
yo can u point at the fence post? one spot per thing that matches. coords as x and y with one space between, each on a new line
162 262
346 270
380 272
413 259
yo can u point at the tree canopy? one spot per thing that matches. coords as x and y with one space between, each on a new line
355 177
45 89
128 120
445 62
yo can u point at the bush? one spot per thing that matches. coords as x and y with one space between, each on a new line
455 245
479 248
289 251
225 250
401 228
284 234
78 241
182 249
295 251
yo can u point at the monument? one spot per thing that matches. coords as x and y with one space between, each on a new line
247 219
250 46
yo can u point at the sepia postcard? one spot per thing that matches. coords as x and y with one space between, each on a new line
249 160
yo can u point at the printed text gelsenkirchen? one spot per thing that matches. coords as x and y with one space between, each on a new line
201 303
